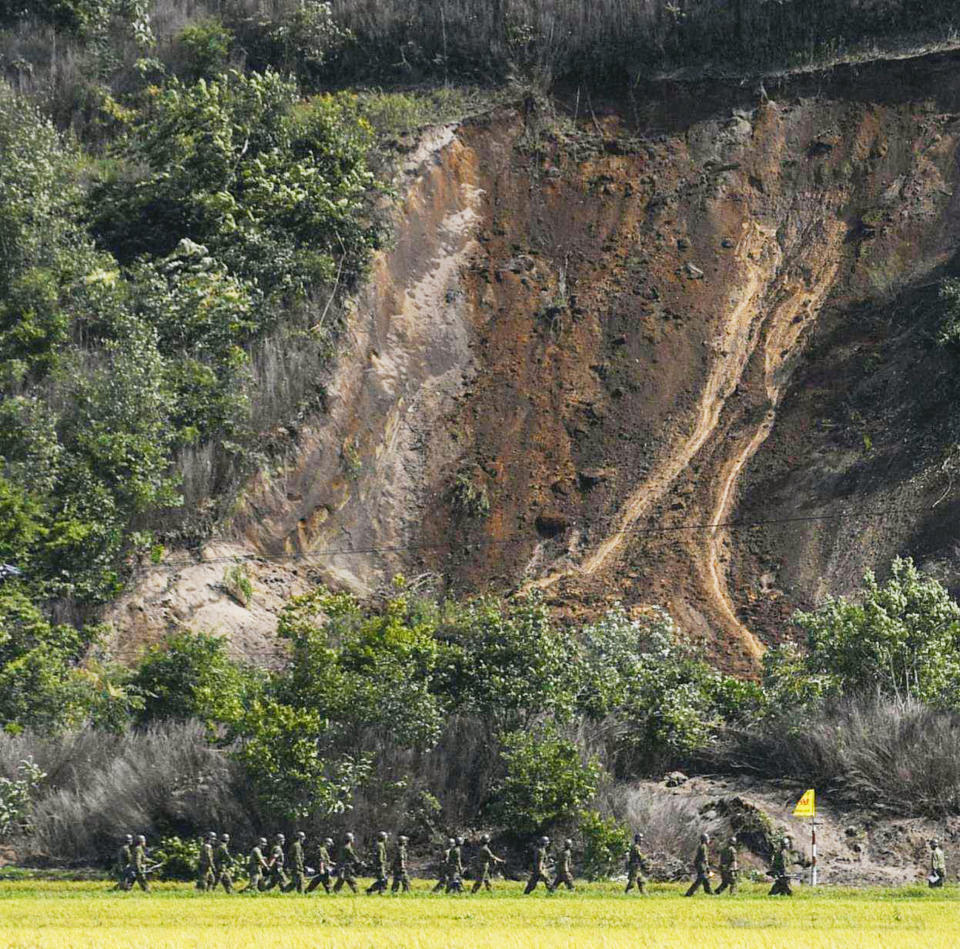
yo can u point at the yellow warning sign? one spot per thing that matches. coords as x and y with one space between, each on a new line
807 805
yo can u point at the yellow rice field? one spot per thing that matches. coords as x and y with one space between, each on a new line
47 914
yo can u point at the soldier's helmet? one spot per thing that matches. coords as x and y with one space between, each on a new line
301 835
934 843
382 835
348 836
733 841
704 838
568 843
485 839
461 841
225 838
328 841
262 841
787 840
128 838
212 835
141 839
451 842
544 840
637 838
280 838
403 838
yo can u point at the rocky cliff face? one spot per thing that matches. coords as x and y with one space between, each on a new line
598 340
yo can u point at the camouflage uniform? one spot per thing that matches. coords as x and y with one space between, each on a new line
347 871
564 867
380 882
298 871
400 877
275 872
206 874
325 864
729 868
455 868
140 865
538 867
780 869
443 873
256 867
485 862
938 865
636 864
223 864
125 864
701 864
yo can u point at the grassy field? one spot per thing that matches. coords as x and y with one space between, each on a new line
53 914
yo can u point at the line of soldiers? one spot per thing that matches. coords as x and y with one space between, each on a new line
780 868
284 867
133 865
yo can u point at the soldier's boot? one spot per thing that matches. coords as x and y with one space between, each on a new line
476 886
441 883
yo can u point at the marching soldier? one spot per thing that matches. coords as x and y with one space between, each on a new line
256 867
125 863
538 866
206 875
938 866
455 868
564 867
275 872
140 864
486 860
379 884
443 871
636 864
298 871
400 877
729 868
781 869
223 864
324 868
701 865
349 862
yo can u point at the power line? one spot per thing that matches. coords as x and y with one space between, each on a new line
526 538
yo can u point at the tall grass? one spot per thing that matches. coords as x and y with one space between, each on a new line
902 756
625 37
166 779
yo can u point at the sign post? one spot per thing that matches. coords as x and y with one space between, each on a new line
807 807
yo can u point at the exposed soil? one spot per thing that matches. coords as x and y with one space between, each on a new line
855 847
694 305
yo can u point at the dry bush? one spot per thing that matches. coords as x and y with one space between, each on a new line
628 37
671 824
901 755
165 779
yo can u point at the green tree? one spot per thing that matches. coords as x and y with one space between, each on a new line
508 663
902 639
189 676
283 751
41 684
363 668
546 782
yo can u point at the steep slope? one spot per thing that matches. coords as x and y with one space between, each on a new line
621 334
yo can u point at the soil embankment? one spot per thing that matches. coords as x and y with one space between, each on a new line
603 334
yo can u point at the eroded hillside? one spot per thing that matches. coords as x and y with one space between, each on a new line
603 333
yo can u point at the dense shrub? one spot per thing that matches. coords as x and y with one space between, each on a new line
605 842
190 676
546 781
